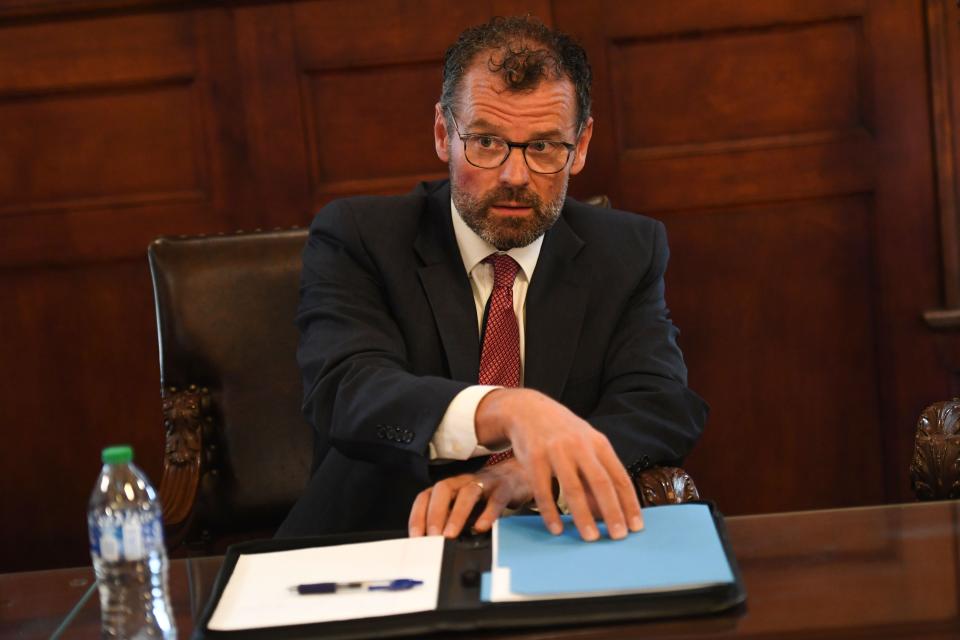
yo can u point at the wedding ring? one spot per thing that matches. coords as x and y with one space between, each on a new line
479 484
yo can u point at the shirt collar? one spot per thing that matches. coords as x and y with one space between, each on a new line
473 248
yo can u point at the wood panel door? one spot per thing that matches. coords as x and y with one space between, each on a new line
787 148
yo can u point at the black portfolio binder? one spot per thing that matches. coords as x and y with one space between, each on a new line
459 607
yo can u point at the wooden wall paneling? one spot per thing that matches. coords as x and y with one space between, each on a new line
121 130
370 74
361 146
71 116
327 85
113 133
772 138
943 27
730 28
33 10
79 372
907 231
540 9
113 129
231 200
793 398
753 99
275 132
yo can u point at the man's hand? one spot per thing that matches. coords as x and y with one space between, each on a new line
445 507
550 441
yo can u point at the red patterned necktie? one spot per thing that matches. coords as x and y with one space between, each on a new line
500 353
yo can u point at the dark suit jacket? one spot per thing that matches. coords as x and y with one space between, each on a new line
389 336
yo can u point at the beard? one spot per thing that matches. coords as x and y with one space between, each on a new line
507 233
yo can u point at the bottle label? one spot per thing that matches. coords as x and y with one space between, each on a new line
125 536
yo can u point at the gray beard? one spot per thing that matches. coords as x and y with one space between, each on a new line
508 233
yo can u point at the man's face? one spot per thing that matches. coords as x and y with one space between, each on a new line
510 205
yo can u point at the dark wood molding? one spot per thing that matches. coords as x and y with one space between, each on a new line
942 30
665 485
23 10
185 414
942 318
935 469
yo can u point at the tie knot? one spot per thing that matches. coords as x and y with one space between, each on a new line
504 269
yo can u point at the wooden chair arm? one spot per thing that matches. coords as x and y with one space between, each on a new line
185 412
664 485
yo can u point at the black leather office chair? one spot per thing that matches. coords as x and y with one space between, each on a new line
238 450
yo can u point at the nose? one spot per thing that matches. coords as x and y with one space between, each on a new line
514 170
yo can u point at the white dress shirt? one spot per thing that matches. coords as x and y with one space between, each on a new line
456 436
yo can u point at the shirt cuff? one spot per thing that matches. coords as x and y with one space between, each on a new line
456 437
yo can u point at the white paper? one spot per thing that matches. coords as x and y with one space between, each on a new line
259 591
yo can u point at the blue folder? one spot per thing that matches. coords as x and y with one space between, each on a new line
679 548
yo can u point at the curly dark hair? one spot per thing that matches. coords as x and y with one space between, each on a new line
524 52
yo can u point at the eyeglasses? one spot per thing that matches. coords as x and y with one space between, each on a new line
489 152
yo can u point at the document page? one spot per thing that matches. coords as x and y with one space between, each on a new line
262 592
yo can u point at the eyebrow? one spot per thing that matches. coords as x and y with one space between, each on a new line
552 134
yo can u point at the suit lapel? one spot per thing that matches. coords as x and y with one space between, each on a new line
447 288
556 303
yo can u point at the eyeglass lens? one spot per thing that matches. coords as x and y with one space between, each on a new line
542 156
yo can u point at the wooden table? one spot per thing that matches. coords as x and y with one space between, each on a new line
873 572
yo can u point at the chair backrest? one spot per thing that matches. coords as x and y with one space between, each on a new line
238 450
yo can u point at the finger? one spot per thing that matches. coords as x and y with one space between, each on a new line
417 523
601 486
439 507
594 508
576 497
541 481
496 503
468 496
627 493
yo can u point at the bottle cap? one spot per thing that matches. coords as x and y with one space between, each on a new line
117 454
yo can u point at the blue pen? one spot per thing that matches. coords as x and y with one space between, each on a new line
398 584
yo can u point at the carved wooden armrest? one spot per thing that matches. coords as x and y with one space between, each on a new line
935 469
664 485
185 412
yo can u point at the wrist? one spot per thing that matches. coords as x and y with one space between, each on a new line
496 416
489 422
500 414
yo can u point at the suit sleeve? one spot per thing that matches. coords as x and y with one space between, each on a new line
645 407
359 393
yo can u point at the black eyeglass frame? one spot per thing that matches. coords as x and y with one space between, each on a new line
510 147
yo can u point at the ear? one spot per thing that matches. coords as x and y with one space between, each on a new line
441 139
580 153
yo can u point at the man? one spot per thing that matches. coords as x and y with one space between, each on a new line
555 307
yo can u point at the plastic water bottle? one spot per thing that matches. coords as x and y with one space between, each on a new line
126 543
